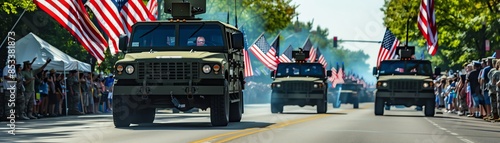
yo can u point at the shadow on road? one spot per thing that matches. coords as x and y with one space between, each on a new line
306 113
197 126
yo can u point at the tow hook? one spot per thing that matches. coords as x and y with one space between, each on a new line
176 102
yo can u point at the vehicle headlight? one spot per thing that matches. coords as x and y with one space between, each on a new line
129 69
384 84
316 86
278 85
426 85
206 69
119 68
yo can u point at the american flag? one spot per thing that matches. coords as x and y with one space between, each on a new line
286 57
334 74
321 58
427 25
308 46
71 14
117 16
153 7
388 47
248 63
257 49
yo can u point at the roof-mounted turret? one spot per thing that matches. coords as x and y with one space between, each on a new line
405 52
300 56
183 9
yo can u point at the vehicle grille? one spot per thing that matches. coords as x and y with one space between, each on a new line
401 85
298 86
174 70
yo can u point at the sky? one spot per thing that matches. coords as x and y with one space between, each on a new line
348 20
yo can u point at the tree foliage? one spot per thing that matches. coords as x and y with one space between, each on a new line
463 26
14 6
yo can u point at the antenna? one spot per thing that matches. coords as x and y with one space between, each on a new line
235 15
227 17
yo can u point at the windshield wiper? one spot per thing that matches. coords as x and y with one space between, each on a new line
202 24
157 25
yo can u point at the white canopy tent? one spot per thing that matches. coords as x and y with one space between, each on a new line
31 46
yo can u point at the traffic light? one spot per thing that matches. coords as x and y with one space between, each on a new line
335 41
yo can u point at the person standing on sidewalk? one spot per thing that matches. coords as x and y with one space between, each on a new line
29 84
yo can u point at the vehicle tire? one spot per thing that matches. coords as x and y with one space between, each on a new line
235 111
430 107
122 114
379 106
321 106
276 106
144 116
355 103
219 108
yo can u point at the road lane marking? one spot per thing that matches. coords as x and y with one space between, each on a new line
452 133
275 126
242 133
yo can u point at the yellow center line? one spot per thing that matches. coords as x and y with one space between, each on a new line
241 133
275 126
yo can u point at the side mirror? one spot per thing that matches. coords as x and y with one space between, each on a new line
237 40
122 42
437 71
272 74
375 71
329 73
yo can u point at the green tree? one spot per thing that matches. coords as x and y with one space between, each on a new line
462 27
14 6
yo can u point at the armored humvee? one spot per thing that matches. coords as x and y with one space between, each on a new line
168 65
349 92
299 83
405 81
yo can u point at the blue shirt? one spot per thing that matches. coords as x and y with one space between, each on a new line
109 82
484 76
44 88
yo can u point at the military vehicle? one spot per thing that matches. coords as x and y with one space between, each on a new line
299 83
405 81
348 92
183 62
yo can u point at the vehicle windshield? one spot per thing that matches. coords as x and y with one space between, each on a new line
293 69
405 67
349 87
190 36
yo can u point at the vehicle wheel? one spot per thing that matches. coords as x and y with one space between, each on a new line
276 106
219 108
122 113
355 103
379 106
321 106
235 110
144 116
430 106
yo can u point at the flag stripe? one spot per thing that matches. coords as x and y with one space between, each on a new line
427 25
109 19
248 64
72 15
153 7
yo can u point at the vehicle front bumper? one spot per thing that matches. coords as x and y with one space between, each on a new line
388 94
168 90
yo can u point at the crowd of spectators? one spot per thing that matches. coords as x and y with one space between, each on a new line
472 91
44 93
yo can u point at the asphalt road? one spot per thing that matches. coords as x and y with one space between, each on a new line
259 125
